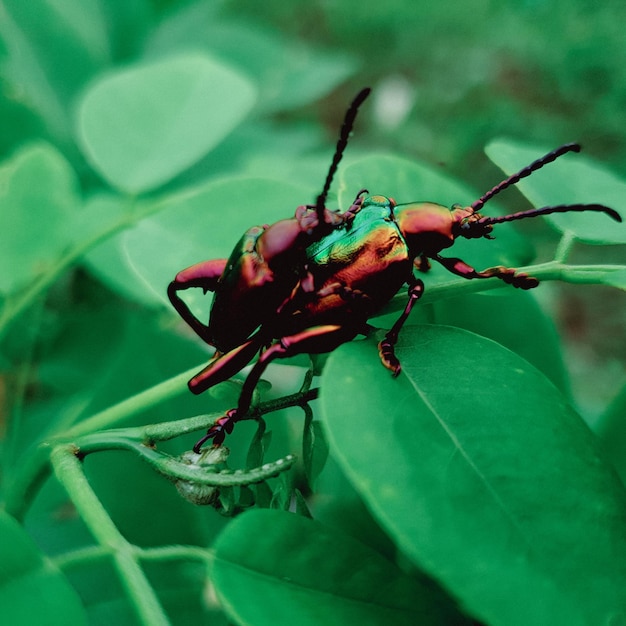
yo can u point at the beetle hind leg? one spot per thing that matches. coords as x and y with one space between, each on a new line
386 349
314 340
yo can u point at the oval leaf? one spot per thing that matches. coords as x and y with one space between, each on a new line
141 126
571 179
40 213
273 567
483 475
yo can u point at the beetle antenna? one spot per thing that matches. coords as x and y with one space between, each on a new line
527 171
344 135
546 210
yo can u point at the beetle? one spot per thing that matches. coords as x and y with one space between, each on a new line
309 283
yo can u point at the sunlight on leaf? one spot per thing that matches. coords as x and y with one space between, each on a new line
143 125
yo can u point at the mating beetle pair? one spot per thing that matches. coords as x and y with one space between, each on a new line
309 283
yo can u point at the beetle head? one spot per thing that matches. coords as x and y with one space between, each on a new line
469 224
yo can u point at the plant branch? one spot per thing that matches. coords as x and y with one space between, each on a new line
124 410
36 468
69 472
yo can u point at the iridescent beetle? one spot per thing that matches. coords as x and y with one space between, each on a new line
309 283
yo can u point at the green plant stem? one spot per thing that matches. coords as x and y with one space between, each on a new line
34 471
552 270
158 554
168 389
68 471
565 246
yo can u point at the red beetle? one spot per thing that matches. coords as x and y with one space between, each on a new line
309 283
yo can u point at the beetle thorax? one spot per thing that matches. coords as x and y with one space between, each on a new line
427 227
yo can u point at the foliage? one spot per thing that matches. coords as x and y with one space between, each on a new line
139 137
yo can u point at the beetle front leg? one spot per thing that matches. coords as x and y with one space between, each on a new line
204 275
315 340
386 346
506 274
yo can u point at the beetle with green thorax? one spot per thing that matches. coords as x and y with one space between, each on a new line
309 283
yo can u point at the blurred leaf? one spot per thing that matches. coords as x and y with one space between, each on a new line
408 181
32 591
129 22
297 567
54 47
474 463
129 351
143 125
611 430
571 179
289 74
108 261
314 448
39 213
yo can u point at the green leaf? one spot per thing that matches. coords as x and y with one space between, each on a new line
54 47
611 430
143 125
483 475
571 179
498 316
298 571
408 181
32 591
39 214
289 73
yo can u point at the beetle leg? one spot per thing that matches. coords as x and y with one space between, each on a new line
224 366
507 274
204 275
422 263
308 217
386 346
314 340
